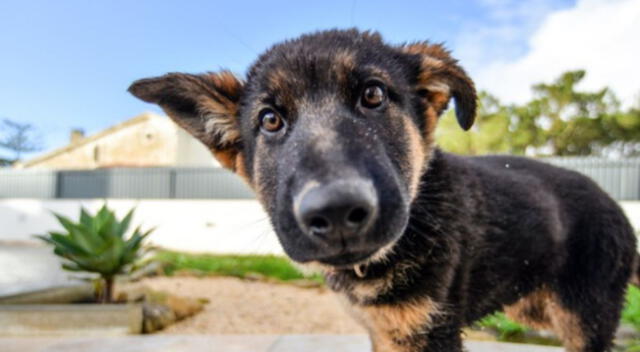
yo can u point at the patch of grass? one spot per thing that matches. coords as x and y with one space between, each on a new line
507 329
631 312
634 346
241 266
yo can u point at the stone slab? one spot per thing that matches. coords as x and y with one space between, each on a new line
228 343
70 320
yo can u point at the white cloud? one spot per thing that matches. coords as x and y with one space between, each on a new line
501 30
600 36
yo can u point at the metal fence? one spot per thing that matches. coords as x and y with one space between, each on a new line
620 178
136 183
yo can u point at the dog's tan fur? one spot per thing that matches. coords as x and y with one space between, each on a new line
439 75
369 290
417 155
220 113
344 63
394 327
543 310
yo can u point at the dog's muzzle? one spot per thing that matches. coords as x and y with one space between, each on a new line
334 214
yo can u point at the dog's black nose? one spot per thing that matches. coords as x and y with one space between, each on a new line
336 210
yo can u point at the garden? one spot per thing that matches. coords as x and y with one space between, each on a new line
132 288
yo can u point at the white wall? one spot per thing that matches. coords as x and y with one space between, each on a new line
632 209
223 226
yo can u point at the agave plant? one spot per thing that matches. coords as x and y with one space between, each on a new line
98 244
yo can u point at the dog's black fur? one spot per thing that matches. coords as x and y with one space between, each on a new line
447 239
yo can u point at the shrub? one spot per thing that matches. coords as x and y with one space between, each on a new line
97 244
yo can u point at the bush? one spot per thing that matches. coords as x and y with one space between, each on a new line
97 244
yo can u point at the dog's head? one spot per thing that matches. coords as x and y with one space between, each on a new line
332 130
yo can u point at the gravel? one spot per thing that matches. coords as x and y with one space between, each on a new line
253 307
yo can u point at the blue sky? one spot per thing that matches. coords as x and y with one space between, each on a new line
66 64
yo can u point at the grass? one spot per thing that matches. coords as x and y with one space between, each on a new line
281 269
509 330
631 312
242 266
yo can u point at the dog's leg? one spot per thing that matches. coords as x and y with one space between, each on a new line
582 320
542 309
416 326
590 291
587 320
442 338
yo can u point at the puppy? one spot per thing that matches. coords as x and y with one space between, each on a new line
335 133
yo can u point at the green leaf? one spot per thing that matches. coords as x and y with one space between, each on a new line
81 235
148 232
109 261
103 216
45 238
83 263
71 267
86 219
65 222
124 225
108 228
66 243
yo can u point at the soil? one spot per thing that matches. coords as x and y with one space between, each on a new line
255 307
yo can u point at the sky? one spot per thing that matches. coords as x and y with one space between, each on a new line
66 64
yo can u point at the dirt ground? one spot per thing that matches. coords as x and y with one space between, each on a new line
253 307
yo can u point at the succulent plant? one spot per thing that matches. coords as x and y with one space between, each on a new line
98 244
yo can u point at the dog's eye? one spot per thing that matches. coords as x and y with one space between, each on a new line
270 121
373 96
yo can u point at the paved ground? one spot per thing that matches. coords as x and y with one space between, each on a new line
25 267
228 343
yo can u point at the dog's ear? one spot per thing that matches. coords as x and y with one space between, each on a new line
440 78
205 105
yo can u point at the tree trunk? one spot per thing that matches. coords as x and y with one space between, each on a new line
107 293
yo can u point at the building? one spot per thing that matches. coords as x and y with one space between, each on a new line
147 140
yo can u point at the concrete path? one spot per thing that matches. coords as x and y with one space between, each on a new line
227 343
25 267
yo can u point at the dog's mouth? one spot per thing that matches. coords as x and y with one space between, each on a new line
358 261
347 259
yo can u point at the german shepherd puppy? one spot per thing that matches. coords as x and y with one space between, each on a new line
335 132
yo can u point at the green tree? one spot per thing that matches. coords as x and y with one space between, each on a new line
487 135
571 121
559 120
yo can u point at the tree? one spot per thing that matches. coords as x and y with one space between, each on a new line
487 135
559 120
19 138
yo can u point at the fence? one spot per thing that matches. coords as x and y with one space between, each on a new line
620 178
137 183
